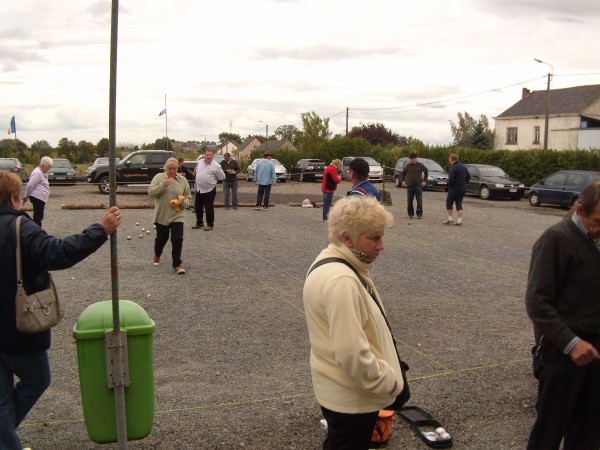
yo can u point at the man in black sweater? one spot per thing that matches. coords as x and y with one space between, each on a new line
414 179
563 301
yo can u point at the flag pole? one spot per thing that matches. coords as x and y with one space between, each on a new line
166 132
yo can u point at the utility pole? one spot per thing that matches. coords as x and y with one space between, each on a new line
347 113
547 118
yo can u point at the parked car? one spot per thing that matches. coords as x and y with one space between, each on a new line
13 165
492 182
375 169
61 172
99 162
437 177
307 170
280 170
561 188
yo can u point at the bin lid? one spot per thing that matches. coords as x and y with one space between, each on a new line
97 320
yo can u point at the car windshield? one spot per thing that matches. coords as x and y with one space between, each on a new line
492 172
62 163
370 160
595 177
101 161
432 165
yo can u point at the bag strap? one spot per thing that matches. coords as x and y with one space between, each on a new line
369 288
18 250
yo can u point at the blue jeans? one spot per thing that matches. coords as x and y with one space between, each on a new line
16 400
327 201
411 193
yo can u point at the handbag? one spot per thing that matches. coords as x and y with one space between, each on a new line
39 311
403 396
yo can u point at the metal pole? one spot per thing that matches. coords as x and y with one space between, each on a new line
267 138
166 119
547 119
116 347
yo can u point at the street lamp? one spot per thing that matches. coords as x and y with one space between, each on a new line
266 135
547 101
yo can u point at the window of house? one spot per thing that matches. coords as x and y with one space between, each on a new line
511 135
536 135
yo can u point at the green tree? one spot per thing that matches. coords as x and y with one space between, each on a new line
315 131
67 149
102 147
85 152
39 149
160 144
232 137
467 130
289 132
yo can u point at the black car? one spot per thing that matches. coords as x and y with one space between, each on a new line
437 177
307 170
561 188
492 182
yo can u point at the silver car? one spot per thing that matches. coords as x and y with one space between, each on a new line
280 170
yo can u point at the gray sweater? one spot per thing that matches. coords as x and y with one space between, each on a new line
563 287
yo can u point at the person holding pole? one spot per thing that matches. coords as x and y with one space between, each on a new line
25 356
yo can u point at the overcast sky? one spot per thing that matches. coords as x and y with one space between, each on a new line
227 65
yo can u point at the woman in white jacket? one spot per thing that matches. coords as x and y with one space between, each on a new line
354 365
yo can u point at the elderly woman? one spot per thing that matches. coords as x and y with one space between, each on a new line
354 365
38 189
171 194
26 355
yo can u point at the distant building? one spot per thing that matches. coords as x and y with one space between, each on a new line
574 120
228 147
246 147
277 145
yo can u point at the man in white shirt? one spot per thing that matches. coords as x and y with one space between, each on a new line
208 173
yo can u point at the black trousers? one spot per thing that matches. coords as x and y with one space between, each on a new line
205 202
263 190
348 431
162 236
568 404
38 210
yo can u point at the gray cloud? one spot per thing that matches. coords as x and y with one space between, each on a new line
326 53
573 11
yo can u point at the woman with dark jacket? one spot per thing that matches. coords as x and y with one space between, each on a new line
458 178
26 355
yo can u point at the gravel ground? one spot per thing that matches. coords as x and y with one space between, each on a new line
231 349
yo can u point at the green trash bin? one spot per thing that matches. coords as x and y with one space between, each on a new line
97 398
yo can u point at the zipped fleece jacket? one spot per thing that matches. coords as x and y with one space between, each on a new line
40 252
164 213
353 360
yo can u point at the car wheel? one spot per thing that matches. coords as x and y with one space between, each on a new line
573 201
397 182
534 199
484 192
104 185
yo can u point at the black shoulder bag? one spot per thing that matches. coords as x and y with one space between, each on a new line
404 396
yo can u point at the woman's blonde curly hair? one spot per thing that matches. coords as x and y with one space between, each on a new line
356 215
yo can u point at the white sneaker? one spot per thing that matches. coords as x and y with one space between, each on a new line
448 221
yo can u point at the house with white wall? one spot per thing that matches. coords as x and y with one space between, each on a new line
573 120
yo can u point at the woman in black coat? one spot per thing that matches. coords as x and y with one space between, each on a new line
26 355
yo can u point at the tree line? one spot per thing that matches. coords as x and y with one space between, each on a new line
472 141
